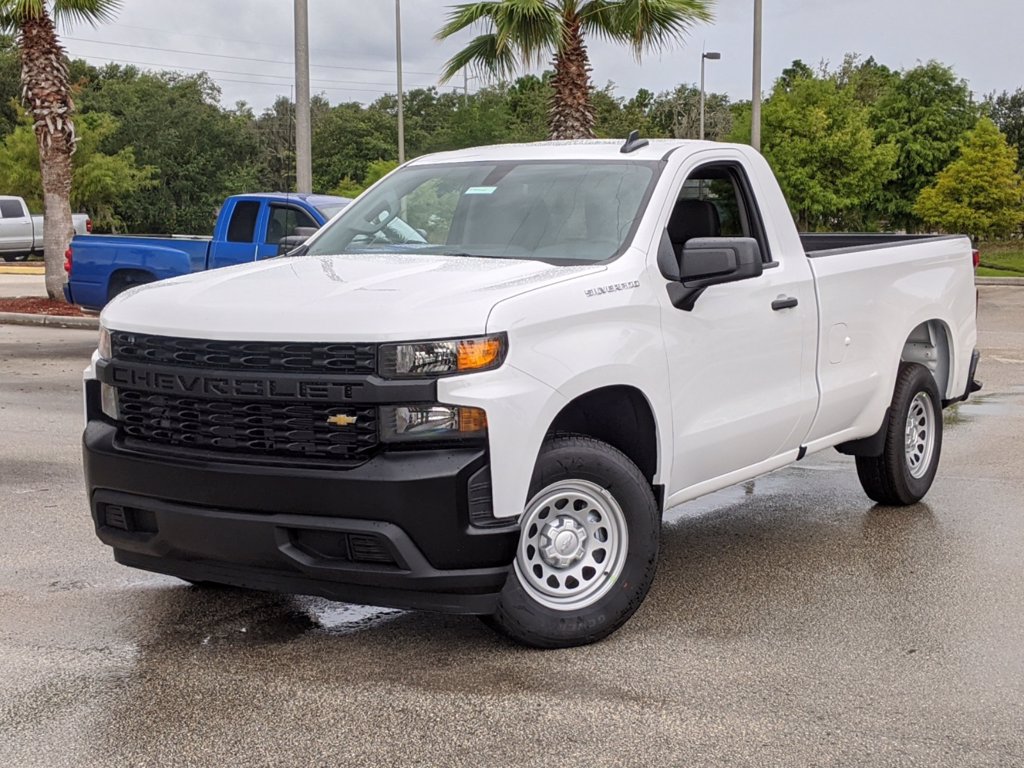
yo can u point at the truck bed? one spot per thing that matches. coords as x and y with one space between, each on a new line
827 244
99 257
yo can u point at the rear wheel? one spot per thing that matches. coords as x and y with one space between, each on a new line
588 547
904 472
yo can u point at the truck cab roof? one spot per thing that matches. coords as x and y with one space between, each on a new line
556 151
283 197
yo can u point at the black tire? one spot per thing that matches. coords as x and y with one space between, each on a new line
889 479
566 458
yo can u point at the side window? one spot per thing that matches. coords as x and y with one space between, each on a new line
243 222
11 209
716 201
283 222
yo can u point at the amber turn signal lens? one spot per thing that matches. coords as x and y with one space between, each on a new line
475 354
472 420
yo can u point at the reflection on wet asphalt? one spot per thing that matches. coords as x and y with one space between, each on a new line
791 623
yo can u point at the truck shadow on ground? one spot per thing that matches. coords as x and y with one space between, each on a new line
751 567
774 569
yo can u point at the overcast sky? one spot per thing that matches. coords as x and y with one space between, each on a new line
246 45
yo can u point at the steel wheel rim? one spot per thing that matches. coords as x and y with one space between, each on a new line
572 545
919 436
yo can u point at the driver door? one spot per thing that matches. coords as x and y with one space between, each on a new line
741 367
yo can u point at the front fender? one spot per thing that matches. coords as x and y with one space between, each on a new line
519 409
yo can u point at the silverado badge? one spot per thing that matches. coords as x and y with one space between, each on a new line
341 420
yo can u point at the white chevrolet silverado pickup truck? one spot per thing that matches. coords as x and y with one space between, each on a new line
490 413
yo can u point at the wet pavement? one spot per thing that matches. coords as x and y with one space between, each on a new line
791 623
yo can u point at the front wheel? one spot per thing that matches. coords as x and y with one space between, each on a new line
587 551
904 472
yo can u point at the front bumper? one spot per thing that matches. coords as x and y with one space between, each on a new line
395 531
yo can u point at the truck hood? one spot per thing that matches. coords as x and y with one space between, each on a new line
366 297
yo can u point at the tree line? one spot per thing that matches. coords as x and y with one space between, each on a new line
857 146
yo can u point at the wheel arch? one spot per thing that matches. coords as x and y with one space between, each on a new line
622 416
930 344
123 278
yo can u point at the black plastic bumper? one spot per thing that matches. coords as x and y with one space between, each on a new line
394 531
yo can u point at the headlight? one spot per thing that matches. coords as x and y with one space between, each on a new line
415 423
441 358
105 348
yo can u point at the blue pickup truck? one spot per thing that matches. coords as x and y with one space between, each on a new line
248 228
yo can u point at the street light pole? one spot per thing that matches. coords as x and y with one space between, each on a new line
303 120
713 56
401 90
755 101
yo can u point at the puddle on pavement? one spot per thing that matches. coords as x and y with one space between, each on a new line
776 482
985 405
346 618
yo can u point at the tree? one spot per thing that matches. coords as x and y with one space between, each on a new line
925 112
10 85
175 123
1007 112
817 138
100 180
520 33
47 94
980 193
676 114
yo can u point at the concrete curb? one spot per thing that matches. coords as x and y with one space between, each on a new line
17 270
51 321
1017 281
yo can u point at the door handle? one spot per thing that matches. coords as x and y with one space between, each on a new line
786 302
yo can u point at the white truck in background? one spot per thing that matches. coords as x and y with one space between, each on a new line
491 417
21 233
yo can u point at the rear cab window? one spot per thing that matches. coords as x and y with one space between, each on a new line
242 228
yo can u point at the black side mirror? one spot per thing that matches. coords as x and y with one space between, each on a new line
298 238
708 261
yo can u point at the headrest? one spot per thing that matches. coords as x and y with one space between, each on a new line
693 218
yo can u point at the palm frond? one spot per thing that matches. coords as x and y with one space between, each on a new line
645 24
533 27
86 11
484 55
466 15
516 32
13 12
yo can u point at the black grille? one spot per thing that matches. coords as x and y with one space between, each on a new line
340 359
251 430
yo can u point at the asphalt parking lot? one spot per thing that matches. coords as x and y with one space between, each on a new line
792 623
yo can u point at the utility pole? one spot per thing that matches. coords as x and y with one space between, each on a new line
704 57
755 101
303 120
401 90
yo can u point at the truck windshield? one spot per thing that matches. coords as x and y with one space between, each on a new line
567 213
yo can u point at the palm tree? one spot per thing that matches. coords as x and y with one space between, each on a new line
46 92
518 33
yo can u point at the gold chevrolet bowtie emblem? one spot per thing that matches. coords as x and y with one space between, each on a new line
341 420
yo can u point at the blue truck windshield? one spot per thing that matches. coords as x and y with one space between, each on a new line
558 212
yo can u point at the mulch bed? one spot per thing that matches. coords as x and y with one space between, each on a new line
31 305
